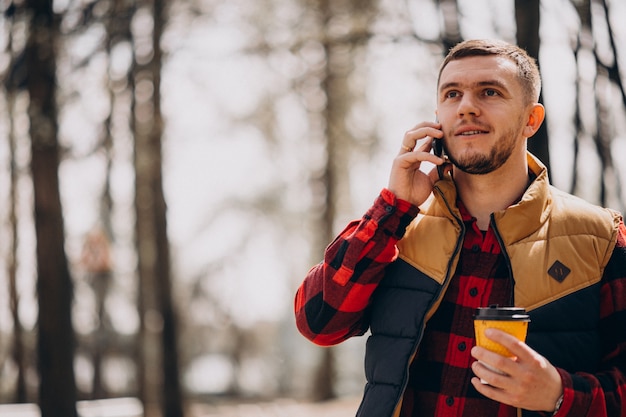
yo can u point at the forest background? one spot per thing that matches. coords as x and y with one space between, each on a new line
171 169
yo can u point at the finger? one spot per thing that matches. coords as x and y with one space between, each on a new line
492 382
487 361
489 390
513 344
421 152
421 131
416 157
414 143
481 372
489 375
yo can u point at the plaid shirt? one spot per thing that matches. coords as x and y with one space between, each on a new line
331 302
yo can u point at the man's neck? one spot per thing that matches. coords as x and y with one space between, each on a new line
486 194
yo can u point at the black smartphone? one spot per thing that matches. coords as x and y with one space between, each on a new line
437 146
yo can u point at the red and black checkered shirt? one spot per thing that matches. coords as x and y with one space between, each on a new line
331 302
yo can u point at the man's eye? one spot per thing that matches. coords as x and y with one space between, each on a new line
491 92
452 94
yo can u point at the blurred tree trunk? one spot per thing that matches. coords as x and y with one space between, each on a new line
12 87
451 34
18 350
160 371
340 51
584 42
607 72
57 390
611 73
96 259
527 18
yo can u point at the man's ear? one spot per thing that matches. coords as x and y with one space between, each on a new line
535 118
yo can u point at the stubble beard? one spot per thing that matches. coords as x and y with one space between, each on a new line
479 163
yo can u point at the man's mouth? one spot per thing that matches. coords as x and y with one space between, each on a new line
472 132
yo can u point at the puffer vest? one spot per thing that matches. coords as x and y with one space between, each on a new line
556 246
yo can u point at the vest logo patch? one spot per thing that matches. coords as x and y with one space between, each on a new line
558 271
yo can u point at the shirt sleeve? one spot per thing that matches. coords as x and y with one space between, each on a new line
331 303
604 393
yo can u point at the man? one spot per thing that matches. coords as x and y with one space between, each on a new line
490 230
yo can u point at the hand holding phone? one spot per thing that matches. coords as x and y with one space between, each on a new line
407 180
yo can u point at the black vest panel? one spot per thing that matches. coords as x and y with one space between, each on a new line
566 331
399 308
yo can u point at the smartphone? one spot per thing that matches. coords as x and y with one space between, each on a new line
437 146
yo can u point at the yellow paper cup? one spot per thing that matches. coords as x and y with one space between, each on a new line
512 320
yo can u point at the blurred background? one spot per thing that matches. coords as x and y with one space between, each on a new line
170 170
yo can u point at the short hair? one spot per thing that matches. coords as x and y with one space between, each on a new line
527 69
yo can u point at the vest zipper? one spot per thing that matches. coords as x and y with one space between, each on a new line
507 260
442 288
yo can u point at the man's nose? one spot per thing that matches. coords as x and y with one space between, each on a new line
468 106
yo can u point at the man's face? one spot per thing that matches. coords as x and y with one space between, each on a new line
482 111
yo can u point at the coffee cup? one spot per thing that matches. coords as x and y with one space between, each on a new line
512 320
